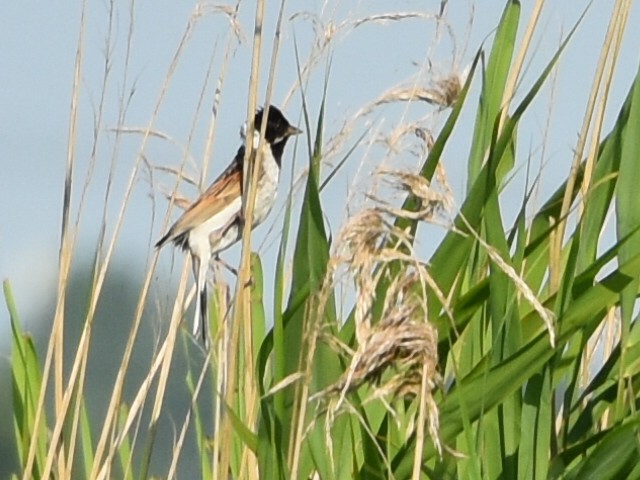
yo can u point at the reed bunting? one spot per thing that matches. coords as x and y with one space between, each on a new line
214 221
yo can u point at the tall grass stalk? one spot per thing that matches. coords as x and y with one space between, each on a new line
55 347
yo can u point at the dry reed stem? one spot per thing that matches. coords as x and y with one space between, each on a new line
78 403
243 299
223 342
67 240
613 41
83 347
242 317
603 74
82 351
114 403
174 198
180 176
168 356
212 122
620 14
202 10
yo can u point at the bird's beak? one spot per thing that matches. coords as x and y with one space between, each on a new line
293 131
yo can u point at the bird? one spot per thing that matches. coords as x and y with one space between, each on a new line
214 221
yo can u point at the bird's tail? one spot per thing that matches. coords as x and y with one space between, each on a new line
200 322
164 239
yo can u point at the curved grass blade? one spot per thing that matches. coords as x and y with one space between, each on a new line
26 380
493 84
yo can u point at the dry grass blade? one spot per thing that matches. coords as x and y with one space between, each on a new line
55 346
546 315
433 201
391 17
242 318
284 383
443 94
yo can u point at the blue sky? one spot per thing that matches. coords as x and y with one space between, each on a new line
38 42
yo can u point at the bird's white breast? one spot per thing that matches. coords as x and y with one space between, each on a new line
267 186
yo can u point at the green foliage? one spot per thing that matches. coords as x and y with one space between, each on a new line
26 381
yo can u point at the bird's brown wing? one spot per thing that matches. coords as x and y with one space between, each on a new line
224 190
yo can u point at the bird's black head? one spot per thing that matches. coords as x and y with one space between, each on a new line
278 129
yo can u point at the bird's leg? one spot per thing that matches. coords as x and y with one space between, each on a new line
231 269
219 260
240 219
